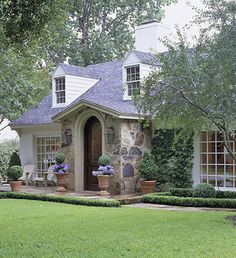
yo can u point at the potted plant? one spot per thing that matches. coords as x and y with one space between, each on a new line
148 174
104 172
61 169
14 173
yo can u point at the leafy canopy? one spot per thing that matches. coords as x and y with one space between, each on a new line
195 87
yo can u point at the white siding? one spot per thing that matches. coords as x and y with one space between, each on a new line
76 86
28 143
145 69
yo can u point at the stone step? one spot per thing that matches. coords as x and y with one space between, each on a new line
129 199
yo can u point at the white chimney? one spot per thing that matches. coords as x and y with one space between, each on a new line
148 35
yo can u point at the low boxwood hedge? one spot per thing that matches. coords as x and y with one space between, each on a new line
181 192
190 201
61 199
188 192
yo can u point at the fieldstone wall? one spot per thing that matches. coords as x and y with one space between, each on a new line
114 150
68 150
134 141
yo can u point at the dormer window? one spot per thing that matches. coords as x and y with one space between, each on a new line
132 79
60 90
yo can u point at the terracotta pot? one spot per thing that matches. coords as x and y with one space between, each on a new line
61 182
148 186
103 184
16 186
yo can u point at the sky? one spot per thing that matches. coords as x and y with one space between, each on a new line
179 13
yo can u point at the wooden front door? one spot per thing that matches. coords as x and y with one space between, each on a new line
92 151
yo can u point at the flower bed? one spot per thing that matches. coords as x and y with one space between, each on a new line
61 199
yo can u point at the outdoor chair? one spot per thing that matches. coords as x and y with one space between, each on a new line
45 178
27 174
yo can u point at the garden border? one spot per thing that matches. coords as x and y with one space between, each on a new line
189 201
60 199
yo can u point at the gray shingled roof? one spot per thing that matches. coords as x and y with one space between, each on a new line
40 115
107 92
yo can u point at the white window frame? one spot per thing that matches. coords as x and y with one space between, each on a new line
45 151
135 81
209 167
60 91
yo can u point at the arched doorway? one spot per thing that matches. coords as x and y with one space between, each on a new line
92 151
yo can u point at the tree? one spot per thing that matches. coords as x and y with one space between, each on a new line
23 26
98 30
195 87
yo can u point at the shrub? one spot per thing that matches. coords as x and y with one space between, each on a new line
189 201
14 172
226 194
104 160
14 160
182 192
6 149
61 199
204 190
60 158
147 168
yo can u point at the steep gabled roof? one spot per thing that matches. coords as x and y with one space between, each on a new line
107 93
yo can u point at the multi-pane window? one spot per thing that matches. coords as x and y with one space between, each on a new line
60 90
47 147
132 79
216 165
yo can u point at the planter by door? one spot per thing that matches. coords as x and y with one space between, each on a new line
148 186
61 182
103 183
16 186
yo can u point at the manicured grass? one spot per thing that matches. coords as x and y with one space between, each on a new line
42 229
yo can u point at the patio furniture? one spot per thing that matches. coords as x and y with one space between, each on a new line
27 174
45 178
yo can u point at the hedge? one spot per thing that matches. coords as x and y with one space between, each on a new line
182 192
61 199
188 192
189 201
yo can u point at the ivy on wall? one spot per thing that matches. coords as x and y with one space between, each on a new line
173 154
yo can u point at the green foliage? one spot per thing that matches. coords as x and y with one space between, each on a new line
204 190
147 168
60 158
181 161
61 199
190 90
104 160
190 201
173 153
162 150
101 31
14 172
14 159
6 149
182 192
226 194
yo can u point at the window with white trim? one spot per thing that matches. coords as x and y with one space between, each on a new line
47 147
217 167
132 79
60 90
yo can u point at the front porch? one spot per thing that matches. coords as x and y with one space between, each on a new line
51 190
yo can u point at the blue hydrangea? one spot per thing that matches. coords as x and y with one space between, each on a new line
103 170
61 168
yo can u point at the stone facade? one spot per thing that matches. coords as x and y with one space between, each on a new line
134 141
130 142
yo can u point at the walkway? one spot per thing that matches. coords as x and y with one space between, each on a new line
175 208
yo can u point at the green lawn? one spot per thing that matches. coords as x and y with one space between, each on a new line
41 229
